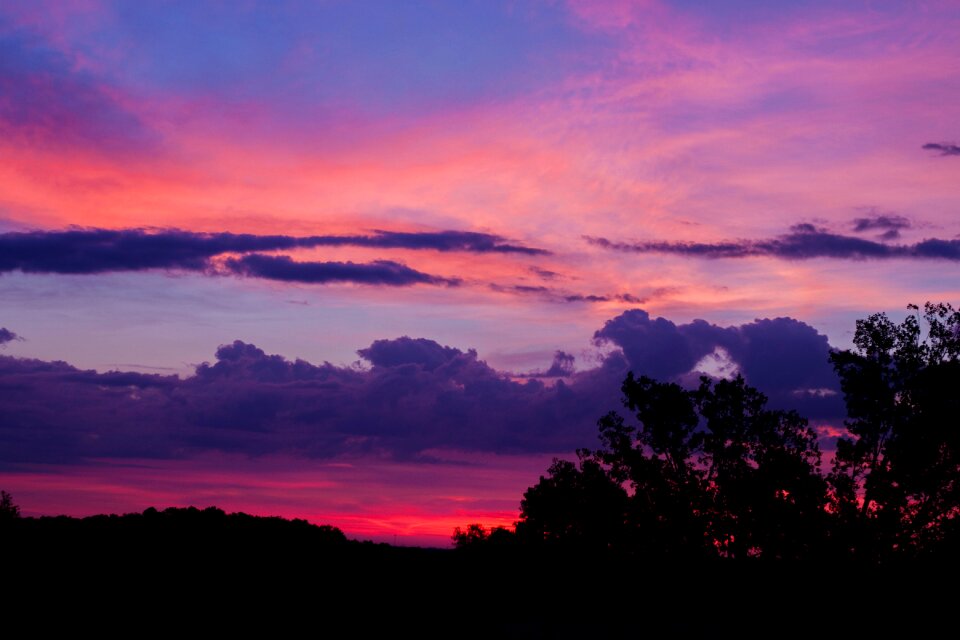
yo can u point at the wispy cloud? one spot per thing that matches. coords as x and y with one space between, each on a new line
889 225
945 148
92 251
48 101
284 269
804 242
552 294
7 336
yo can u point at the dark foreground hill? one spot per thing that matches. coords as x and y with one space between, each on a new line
207 571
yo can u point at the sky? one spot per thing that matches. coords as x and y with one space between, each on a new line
376 263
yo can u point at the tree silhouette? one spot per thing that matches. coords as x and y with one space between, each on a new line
476 535
896 479
576 506
8 509
708 472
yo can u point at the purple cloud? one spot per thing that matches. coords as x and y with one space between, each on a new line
92 251
284 269
416 396
438 241
105 250
945 148
804 242
561 367
102 250
417 351
785 358
7 336
558 295
880 222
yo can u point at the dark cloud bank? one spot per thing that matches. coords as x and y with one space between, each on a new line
92 251
803 242
414 396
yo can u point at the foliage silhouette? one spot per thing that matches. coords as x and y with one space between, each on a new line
709 472
712 473
8 509
896 480
476 535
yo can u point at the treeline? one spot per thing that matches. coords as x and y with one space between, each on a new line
171 528
712 474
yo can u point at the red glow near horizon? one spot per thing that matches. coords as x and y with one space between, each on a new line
369 499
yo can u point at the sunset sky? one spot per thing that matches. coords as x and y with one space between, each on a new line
375 263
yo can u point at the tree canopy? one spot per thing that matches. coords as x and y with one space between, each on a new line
896 477
712 472
709 471
9 510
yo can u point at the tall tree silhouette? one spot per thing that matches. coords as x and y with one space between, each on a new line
896 479
709 471
9 510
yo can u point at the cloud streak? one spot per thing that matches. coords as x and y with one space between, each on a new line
284 269
93 251
48 101
804 242
551 294
468 241
889 225
7 336
945 149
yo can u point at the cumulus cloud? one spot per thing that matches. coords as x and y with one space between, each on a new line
945 148
403 351
785 358
417 395
803 242
414 395
561 367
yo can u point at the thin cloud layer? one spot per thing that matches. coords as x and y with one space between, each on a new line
945 149
888 225
416 395
93 251
804 242
284 269
49 102
101 250
468 241
552 294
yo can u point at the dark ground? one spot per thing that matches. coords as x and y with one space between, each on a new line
193 571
